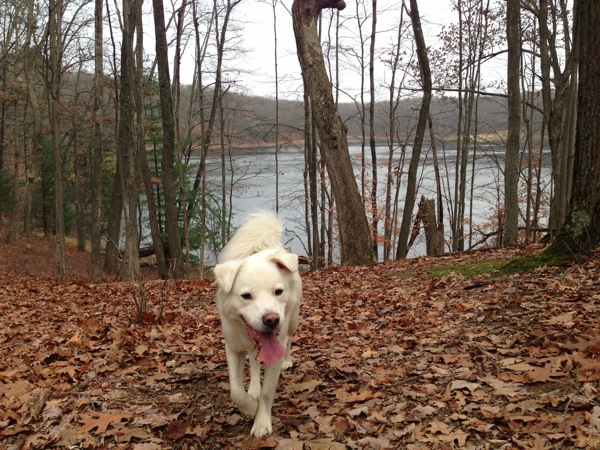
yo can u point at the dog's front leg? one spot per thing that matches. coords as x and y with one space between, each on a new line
262 422
287 359
236 361
254 387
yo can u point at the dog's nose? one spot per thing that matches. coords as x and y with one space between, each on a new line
271 320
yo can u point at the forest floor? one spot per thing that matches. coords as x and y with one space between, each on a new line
387 356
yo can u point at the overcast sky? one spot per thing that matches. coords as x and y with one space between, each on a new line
259 41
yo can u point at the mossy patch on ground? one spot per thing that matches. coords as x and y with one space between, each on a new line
499 267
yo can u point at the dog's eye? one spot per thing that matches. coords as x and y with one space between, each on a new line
278 292
247 296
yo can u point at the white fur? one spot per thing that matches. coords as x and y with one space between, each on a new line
255 263
261 231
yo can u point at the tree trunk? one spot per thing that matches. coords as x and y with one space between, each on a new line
32 174
434 234
127 145
355 236
311 186
561 85
511 161
168 160
112 254
372 143
411 188
393 102
439 217
80 191
200 181
181 13
96 178
457 216
55 68
581 231
277 146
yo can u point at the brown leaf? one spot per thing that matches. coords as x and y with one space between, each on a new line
177 428
101 421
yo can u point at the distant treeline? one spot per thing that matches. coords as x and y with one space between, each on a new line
256 119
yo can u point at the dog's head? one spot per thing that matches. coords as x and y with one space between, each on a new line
260 291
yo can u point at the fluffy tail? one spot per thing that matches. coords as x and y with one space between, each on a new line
260 231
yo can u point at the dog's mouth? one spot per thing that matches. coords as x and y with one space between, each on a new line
269 348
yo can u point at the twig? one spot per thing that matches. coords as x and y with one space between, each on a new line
18 443
486 353
164 297
248 442
565 429
40 404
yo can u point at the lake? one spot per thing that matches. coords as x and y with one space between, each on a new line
253 175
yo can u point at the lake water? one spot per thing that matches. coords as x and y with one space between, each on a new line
253 175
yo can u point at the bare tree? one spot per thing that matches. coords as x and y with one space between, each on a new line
55 37
180 15
112 254
207 124
277 145
511 162
127 146
559 96
581 231
391 208
411 188
168 122
355 236
372 143
97 159
14 31
31 172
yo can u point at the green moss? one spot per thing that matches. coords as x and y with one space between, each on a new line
525 263
521 264
479 268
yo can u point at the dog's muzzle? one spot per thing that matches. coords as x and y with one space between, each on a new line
269 348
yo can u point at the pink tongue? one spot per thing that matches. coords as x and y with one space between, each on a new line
269 348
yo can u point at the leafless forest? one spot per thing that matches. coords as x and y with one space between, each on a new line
97 127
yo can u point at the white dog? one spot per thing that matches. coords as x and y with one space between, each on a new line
258 299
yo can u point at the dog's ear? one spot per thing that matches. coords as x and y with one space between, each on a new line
286 261
225 273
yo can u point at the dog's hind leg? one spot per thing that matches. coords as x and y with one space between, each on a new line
262 422
245 403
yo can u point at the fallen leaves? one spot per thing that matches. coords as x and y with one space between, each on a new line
385 358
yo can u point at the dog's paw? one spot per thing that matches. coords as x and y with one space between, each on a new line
254 391
261 427
287 362
247 405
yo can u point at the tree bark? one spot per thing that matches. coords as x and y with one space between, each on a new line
126 142
32 175
511 161
166 104
581 231
372 143
411 188
434 234
97 158
558 97
55 69
355 236
112 254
